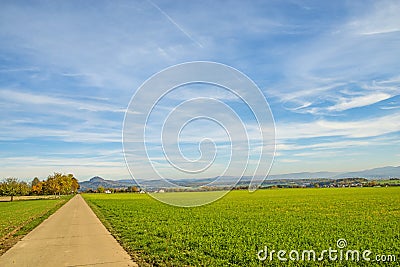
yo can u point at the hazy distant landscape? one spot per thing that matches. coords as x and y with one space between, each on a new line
299 179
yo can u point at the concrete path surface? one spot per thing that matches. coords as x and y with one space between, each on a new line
72 236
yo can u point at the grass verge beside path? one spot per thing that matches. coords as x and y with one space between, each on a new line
19 217
115 233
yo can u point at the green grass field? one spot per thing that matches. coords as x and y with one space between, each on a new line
19 217
231 231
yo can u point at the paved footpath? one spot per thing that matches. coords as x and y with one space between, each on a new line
72 236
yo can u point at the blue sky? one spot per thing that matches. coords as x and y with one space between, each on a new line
328 69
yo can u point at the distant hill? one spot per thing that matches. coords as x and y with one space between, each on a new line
376 173
97 181
305 175
383 172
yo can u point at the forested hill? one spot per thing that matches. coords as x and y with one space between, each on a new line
97 182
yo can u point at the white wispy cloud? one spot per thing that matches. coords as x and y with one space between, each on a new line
20 97
35 115
382 19
83 162
325 145
25 69
390 107
342 60
352 129
360 101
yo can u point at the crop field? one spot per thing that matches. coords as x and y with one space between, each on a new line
19 217
233 230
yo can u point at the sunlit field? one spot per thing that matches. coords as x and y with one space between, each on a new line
232 230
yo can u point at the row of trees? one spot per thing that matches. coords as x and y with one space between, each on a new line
12 187
101 189
56 184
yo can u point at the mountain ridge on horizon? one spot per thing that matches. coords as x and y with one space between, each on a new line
374 173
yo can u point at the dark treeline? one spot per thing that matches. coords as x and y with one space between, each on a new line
55 184
101 189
